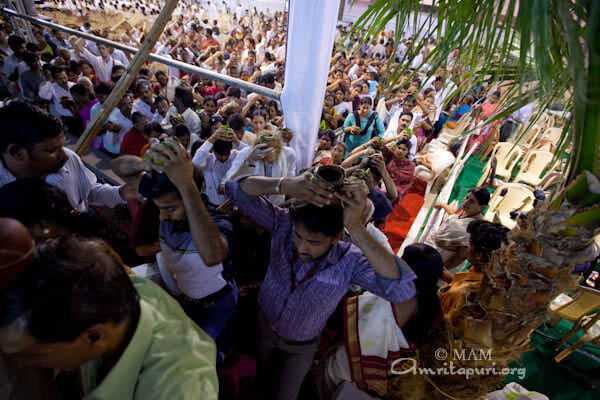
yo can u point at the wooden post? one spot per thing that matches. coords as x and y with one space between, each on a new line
126 80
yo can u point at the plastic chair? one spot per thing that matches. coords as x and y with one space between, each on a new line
530 136
533 166
506 198
507 156
553 135
448 134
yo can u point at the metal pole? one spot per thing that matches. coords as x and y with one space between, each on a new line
205 73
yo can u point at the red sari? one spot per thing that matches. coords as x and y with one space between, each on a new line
401 172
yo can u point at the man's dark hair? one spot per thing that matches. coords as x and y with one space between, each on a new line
487 236
154 185
14 42
159 72
223 147
326 220
153 126
182 130
481 194
268 78
25 125
236 122
75 284
29 57
454 147
117 68
79 89
136 116
233 91
406 113
57 70
32 47
330 134
439 79
185 96
145 72
102 88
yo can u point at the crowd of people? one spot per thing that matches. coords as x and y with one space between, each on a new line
212 195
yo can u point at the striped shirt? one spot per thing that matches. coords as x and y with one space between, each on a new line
78 182
301 314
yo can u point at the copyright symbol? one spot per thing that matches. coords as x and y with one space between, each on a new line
441 354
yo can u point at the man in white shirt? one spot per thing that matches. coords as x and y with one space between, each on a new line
144 103
32 146
214 159
118 124
119 55
212 11
59 95
102 64
521 116
184 101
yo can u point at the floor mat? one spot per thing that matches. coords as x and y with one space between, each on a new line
399 222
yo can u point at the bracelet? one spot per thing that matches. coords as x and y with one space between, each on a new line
247 163
278 185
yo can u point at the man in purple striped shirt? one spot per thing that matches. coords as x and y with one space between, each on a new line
311 270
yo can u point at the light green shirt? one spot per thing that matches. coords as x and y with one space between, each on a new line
169 356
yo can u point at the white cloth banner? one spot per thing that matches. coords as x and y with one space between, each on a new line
311 30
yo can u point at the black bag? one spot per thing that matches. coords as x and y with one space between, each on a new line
369 122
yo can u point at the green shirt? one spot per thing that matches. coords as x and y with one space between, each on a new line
169 356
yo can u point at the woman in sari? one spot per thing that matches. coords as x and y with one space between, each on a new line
326 143
400 168
488 108
377 332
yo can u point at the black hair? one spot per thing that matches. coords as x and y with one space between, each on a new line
405 142
102 88
496 93
481 194
14 42
153 126
366 100
326 220
487 236
223 147
75 284
154 185
268 78
330 134
136 116
259 112
439 79
79 89
185 96
233 91
57 70
427 92
160 98
407 113
32 47
219 96
25 125
159 72
144 72
236 122
427 264
29 57
182 130
117 68
210 98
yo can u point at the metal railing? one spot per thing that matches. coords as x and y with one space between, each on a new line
205 73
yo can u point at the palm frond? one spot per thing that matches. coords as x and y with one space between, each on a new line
540 49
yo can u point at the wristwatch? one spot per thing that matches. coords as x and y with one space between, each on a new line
248 164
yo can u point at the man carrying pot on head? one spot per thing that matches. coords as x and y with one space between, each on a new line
310 269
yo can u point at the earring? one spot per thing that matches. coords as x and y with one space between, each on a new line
46 231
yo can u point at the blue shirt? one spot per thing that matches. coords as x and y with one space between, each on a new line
353 141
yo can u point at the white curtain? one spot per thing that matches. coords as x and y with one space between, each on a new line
311 32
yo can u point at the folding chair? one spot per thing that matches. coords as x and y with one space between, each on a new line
506 198
532 168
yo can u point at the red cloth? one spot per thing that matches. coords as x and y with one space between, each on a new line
401 173
399 222
133 142
206 43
